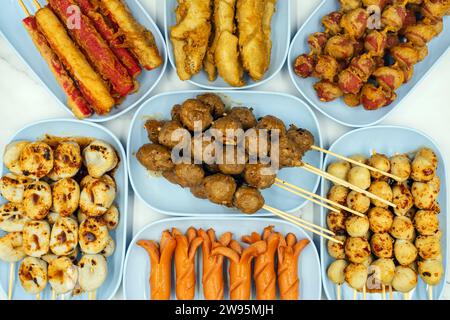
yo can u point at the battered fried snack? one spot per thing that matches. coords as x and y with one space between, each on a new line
227 59
161 265
190 36
288 253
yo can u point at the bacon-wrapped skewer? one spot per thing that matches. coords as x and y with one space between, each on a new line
354 22
317 42
304 65
327 91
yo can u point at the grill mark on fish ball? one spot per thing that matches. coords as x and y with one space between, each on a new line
89 237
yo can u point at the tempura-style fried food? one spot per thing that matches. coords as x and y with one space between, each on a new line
267 25
190 36
227 59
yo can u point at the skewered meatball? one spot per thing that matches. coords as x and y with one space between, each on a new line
383 190
380 162
175 113
335 271
257 144
339 169
389 78
326 67
405 252
199 191
153 128
425 195
11 156
431 271
195 115
401 166
220 189
402 198
12 187
289 154
228 130
426 222
363 65
93 270
336 250
93 235
111 218
327 91
357 249
354 22
204 148
359 177
260 176
405 279
358 158
62 275
402 228
356 275
97 195
64 236
375 42
190 174
358 202
301 137
382 245
172 133
394 17
429 247
271 123
424 165
340 47
12 217
248 200
357 226
245 116
304 65
232 162
384 270
380 220
66 196
373 98
348 5
338 194
155 157
331 22
317 42
349 81
336 222
214 103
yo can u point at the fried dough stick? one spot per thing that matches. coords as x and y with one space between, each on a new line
185 251
264 274
240 271
161 265
212 279
267 26
288 254
190 36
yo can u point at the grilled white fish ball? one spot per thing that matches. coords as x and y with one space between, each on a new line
12 217
49 257
11 156
12 187
383 190
36 238
99 158
11 247
424 165
336 221
110 248
383 270
382 245
93 272
357 226
359 177
429 247
336 250
401 166
111 218
380 219
339 169
64 236
37 200
36 160
357 250
93 236
426 222
425 195
405 252
431 271
81 216
358 202
338 194
380 162
358 158
62 275
66 196
405 279
402 198
33 275
402 228
67 161
335 271
97 196
356 275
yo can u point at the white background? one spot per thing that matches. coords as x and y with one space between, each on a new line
24 100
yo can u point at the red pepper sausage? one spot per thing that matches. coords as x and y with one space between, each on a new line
95 48
108 33
75 100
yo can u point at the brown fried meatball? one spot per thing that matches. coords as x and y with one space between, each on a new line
172 133
214 103
426 222
195 115
327 91
376 42
317 41
248 200
155 157
173 178
233 161
304 65
380 220
245 116
199 191
204 148
357 249
220 189
382 245
288 153
153 128
260 176
331 22
349 81
326 67
271 123
390 78
190 174
394 17
176 112
340 47
228 130
257 143
336 222
301 137
354 22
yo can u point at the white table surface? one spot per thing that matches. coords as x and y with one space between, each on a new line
25 100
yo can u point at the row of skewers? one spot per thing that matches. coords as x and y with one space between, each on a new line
59 214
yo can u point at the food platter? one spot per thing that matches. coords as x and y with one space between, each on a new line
12 30
337 110
158 193
135 278
280 39
387 140
71 128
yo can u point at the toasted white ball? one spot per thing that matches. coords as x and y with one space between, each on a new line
358 202
356 275
11 247
424 165
401 167
110 248
99 158
405 252
380 220
336 250
429 247
357 250
402 228
383 190
93 272
93 236
380 162
37 200
426 222
36 160
402 198
12 155
12 217
66 196
357 226
339 169
62 275
405 279
431 271
111 218
425 195
33 275
336 271
49 257
67 161
359 177
383 270
64 236
36 238
97 196
12 187
338 194
382 245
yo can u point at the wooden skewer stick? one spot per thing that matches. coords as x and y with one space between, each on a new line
24 8
383 290
430 292
406 296
387 174
293 220
63 297
37 4
391 294
338 292
332 178
38 296
334 203
53 294
94 295
355 293
11 280
364 293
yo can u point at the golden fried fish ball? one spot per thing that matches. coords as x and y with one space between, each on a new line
67 162
383 190
424 165
339 169
93 235
358 158
402 198
359 177
66 196
336 250
338 194
382 245
37 200
336 221
356 275
335 271
401 166
425 195
380 162
431 271
33 275
357 250
405 279
383 270
358 202
357 226
426 222
99 157
380 219
429 247
36 238
11 156
402 228
36 160
405 252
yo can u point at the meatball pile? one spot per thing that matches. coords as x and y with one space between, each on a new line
232 181
366 63
51 182
387 247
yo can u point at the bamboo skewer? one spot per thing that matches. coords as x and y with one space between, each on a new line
383 291
430 293
387 174
355 293
11 280
37 4
338 292
391 294
334 203
53 294
406 296
364 293
38 296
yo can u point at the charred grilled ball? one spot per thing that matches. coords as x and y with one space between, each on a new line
220 189
248 200
301 137
260 176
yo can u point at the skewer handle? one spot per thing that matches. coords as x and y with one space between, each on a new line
12 268
430 292
338 292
